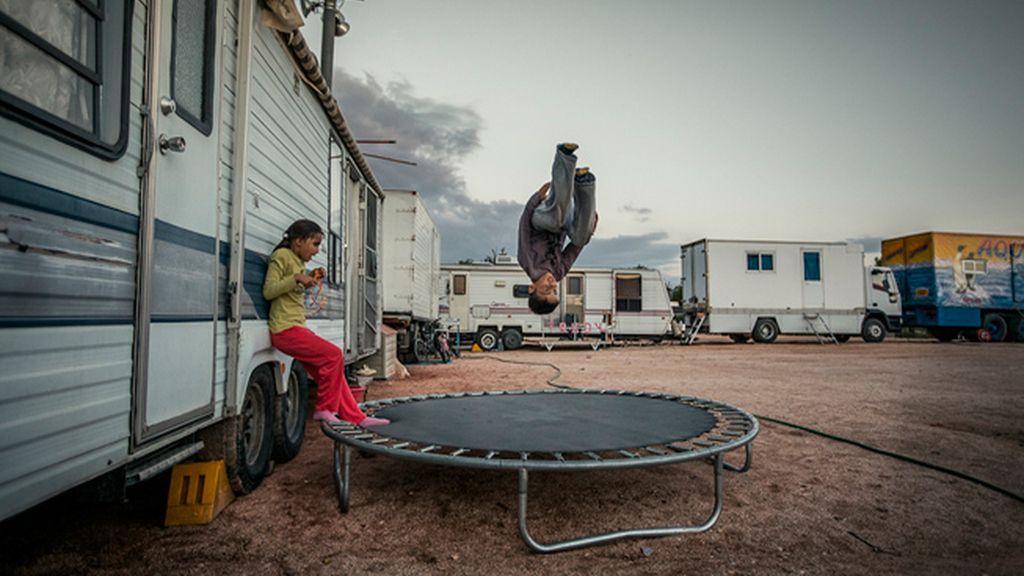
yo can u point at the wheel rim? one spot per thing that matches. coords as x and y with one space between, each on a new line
488 340
253 423
292 418
875 331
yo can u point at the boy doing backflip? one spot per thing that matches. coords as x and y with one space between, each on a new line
564 208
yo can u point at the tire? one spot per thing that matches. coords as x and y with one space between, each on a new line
842 338
873 330
410 355
290 415
512 339
253 434
997 326
739 338
1017 328
487 339
765 331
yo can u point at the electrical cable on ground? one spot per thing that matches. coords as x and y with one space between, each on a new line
809 430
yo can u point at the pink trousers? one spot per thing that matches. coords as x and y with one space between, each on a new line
325 362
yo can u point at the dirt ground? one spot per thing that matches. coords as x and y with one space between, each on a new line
809 505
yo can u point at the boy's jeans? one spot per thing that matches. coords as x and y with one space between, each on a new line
569 205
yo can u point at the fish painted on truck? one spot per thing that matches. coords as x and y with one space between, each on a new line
956 283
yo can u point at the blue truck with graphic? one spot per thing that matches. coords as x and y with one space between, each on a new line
960 285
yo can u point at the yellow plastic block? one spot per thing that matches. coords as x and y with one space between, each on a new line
198 492
476 348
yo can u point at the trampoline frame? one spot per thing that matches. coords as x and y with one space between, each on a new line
734 428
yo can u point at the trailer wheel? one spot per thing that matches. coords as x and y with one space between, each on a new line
290 415
765 331
253 433
996 326
487 339
873 330
512 339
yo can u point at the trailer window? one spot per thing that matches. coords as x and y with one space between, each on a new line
459 284
520 290
192 62
760 261
575 287
628 295
812 266
63 68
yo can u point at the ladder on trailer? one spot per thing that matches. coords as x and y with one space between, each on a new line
690 334
821 329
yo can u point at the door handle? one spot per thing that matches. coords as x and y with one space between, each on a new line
168 105
172 144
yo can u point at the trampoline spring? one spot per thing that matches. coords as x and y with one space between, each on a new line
363 436
459 452
380 441
731 432
401 445
559 457
490 454
718 438
656 450
430 448
680 448
628 454
593 456
703 444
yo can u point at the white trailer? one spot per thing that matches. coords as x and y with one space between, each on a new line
488 303
754 289
410 275
147 170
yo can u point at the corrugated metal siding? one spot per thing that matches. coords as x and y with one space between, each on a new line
56 380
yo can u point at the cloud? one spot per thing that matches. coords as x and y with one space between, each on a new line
438 136
642 214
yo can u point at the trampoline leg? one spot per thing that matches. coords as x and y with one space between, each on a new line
621 534
342 463
746 463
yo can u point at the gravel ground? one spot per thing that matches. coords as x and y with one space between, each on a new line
809 505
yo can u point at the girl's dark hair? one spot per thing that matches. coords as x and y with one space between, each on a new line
297 231
541 307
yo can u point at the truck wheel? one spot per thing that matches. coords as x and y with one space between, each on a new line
290 415
253 433
873 330
1017 328
487 339
765 331
996 326
512 339
739 338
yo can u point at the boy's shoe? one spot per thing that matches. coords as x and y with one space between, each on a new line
327 416
371 421
568 148
584 175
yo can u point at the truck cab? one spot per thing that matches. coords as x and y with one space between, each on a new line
882 298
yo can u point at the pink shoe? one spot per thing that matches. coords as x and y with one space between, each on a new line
371 421
327 416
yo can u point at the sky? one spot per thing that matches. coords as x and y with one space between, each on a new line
807 120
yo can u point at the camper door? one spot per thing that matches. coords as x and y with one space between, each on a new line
177 288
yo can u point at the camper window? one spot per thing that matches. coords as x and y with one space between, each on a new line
575 287
521 291
192 62
812 266
628 295
760 261
64 70
459 284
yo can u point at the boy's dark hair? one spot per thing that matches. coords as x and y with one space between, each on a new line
297 231
541 307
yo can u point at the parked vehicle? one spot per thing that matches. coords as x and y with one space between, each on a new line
412 251
138 206
754 289
960 284
488 303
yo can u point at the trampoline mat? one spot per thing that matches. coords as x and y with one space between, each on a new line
549 422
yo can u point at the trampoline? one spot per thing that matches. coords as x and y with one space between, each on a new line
553 430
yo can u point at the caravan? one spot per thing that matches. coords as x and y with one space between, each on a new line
146 172
487 303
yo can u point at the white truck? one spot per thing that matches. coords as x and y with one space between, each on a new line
410 272
488 303
140 197
755 289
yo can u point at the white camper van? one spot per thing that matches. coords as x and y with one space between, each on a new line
752 289
147 170
410 274
488 303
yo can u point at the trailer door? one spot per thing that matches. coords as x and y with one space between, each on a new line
174 371
813 286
